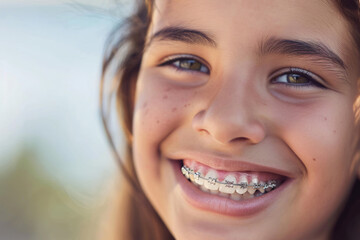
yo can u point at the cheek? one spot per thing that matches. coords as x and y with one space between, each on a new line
321 137
321 134
159 109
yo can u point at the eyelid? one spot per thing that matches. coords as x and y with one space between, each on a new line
184 56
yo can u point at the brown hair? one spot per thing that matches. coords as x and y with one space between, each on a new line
137 219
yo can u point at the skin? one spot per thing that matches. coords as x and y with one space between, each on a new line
238 110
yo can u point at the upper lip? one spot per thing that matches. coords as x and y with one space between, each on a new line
226 163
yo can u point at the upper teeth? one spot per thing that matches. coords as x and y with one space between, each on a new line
229 185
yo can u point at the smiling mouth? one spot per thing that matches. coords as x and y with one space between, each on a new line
234 185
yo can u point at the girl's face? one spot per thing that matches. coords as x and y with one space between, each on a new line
256 92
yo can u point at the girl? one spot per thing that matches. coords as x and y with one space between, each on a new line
241 119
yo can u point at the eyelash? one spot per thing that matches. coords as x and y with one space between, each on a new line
310 77
178 60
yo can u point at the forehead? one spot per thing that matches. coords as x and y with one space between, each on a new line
314 14
244 22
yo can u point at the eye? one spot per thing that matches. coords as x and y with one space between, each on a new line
298 78
186 63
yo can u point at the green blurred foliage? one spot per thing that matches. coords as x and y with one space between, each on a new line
33 205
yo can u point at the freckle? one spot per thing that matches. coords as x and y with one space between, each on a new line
157 122
174 109
165 97
314 159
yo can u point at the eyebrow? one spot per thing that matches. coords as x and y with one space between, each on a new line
319 51
183 35
314 49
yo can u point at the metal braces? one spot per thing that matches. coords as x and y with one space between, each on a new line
189 173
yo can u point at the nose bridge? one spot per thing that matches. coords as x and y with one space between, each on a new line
234 97
232 113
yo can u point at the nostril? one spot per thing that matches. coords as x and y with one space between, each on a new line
204 131
239 139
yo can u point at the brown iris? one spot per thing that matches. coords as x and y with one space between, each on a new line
191 65
296 78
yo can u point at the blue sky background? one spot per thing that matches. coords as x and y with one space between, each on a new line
50 61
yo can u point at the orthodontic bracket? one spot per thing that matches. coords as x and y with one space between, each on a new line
187 172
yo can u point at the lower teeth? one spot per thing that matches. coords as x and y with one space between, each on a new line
253 190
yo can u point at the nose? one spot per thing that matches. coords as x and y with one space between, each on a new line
232 115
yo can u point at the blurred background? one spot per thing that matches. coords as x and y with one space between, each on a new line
56 167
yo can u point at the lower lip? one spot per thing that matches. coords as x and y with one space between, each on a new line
225 206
